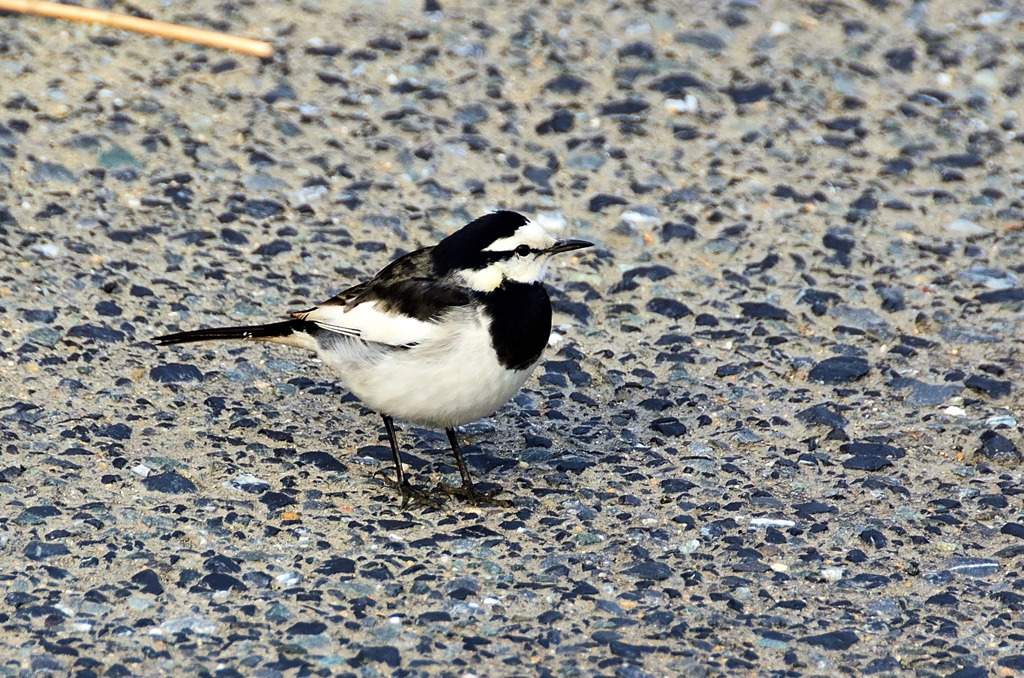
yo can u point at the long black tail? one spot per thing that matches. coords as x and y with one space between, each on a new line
280 332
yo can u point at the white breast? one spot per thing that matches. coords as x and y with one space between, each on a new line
450 379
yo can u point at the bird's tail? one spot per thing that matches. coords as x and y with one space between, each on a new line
292 332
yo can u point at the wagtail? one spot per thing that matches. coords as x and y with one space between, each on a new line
440 337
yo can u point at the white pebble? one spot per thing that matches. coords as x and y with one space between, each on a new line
199 625
139 603
687 104
288 578
639 219
690 546
989 18
308 194
986 78
832 573
779 28
141 470
771 522
954 411
1001 420
49 251
964 226
552 222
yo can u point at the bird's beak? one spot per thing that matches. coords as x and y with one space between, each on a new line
568 246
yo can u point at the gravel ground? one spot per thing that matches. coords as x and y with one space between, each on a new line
775 434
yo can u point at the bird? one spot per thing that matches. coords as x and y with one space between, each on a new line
440 337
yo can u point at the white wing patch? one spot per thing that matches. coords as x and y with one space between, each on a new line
368 323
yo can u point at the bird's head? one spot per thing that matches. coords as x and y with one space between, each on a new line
498 247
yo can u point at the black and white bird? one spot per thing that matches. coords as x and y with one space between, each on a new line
440 337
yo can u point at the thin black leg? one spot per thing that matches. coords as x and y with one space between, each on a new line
468 489
389 424
401 482
467 482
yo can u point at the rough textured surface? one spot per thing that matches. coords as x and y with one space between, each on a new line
776 434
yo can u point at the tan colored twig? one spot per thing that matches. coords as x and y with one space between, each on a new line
130 23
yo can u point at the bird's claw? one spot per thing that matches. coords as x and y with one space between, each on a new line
408 492
471 494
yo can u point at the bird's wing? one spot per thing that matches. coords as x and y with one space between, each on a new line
401 306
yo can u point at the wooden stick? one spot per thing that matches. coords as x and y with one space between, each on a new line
130 23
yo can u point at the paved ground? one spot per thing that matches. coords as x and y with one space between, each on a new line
776 433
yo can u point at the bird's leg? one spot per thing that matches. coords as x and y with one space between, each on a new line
401 482
389 424
468 490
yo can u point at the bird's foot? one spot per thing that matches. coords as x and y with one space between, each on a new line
470 493
410 493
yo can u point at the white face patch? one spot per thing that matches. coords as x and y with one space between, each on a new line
528 268
531 233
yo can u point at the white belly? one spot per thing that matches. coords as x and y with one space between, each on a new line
446 381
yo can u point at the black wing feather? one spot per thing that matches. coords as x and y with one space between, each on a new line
408 286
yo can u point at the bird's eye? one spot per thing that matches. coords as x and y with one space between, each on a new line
522 250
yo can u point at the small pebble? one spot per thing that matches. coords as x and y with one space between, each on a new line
964 227
288 578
